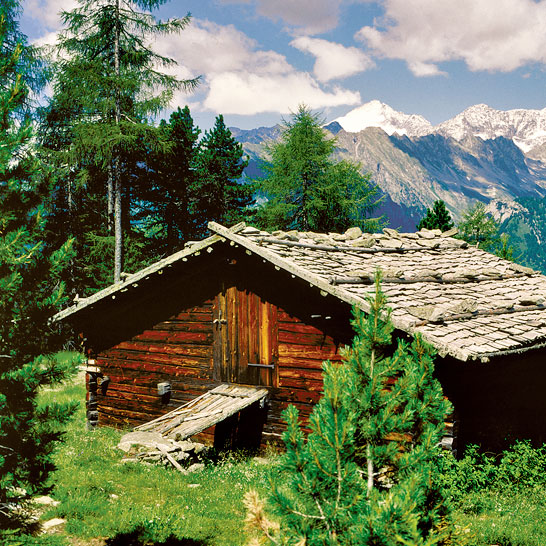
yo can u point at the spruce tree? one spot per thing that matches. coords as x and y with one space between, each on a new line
366 473
30 293
306 189
168 185
220 194
437 217
107 84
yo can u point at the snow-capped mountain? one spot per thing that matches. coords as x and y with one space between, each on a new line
482 154
527 128
378 114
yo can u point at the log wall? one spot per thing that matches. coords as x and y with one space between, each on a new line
178 350
168 335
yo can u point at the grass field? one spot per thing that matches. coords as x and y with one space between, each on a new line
106 502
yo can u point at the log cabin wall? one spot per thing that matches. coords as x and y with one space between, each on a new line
172 332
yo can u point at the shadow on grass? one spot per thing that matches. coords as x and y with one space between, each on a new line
138 538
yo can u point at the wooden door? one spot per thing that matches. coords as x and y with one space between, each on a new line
245 338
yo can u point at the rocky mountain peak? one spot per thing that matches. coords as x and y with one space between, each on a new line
379 114
527 128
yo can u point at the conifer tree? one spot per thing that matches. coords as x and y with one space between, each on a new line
437 217
30 292
220 195
107 85
306 189
30 66
478 227
366 472
168 186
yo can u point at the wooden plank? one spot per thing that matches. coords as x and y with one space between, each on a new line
224 354
217 339
203 315
311 384
190 337
180 326
205 411
306 363
302 373
244 375
274 344
253 325
175 336
285 317
306 351
121 358
298 396
306 338
131 347
264 342
172 359
299 327
232 333
164 368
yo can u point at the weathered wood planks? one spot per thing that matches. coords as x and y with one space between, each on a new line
212 339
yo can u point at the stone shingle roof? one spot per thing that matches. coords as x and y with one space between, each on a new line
466 302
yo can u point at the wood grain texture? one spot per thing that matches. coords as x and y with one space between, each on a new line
245 317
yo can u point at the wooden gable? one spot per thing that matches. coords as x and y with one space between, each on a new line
243 323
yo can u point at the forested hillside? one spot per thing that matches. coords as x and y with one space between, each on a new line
526 228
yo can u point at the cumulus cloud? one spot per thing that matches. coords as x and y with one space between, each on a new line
241 78
310 17
206 47
250 94
491 35
48 12
333 61
238 76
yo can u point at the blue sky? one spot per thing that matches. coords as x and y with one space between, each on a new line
260 58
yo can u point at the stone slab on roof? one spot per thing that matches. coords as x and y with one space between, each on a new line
464 301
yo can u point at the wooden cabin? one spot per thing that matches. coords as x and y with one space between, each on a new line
254 314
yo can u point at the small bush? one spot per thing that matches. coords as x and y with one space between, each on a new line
521 467
516 469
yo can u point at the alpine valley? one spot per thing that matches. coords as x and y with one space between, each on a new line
493 156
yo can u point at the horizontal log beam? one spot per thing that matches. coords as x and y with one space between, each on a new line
347 249
428 279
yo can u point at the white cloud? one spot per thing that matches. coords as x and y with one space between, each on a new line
310 17
250 94
47 40
492 35
48 11
333 61
240 78
205 47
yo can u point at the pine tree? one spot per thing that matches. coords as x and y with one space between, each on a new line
437 217
106 86
167 191
306 189
30 66
220 195
30 292
479 227
366 474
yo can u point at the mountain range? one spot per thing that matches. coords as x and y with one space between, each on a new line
482 154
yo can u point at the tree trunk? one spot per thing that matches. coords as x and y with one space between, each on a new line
118 230
110 197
